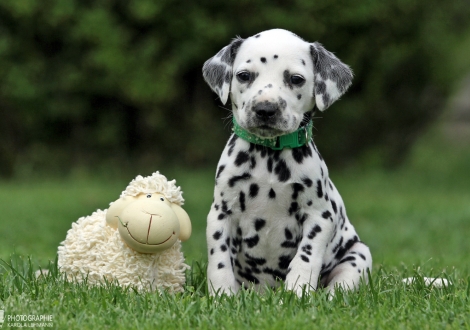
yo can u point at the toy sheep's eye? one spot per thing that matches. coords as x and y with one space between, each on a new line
297 79
162 199
243 76
149 195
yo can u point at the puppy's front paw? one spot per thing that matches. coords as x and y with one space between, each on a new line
222 282
293 283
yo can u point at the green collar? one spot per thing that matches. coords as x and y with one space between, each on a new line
293 140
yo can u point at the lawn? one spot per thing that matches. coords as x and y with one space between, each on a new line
415 220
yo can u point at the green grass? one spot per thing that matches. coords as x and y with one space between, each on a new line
415 220
385 303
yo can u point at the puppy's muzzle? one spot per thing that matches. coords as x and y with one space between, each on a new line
265 111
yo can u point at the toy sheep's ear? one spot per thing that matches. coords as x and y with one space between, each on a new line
217 71
115 209
331 76
185 223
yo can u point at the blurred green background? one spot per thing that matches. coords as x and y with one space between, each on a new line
94 92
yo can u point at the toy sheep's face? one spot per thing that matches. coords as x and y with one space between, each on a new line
149 223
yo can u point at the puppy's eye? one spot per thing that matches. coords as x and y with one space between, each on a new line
243 76
297 79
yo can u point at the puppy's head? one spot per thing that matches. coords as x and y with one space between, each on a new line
274 78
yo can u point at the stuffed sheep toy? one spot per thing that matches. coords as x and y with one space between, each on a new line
136 242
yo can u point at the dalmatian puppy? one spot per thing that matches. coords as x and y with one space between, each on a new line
276 216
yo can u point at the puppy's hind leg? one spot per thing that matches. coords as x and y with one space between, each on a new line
347 273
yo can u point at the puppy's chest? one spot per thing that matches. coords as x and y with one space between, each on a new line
267 194
256 179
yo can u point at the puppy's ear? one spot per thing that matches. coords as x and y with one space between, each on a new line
217 70
331 76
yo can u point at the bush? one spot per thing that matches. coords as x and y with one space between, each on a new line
112 81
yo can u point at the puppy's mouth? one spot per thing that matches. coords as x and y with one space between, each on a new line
275 128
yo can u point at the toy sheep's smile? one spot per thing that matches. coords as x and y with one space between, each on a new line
126 225
147 243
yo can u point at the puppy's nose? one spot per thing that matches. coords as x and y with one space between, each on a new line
265 110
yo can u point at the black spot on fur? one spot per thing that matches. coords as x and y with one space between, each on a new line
231 144
248 61
220 265
252 162
319 189
254 188
307 182
304 258
307 249
217 235
326 215
350 258
241 199
259 223
272 193
270 165
275 56
299 96
287 82
294 207
248 277
303 62
290 244
251 241
343 249
263 59
219 170
301 218
242 158
288 234
333 205
282 171
211 251
315 230
233 180
301 152
284 261
225 208
223 248
257 261
221 216
277 275
297 188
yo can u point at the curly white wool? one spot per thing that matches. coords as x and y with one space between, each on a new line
155 183
94 252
